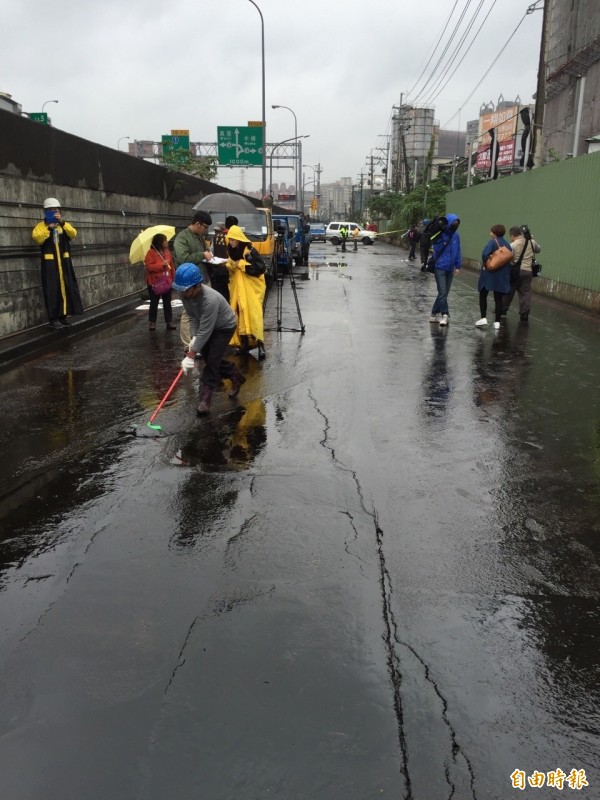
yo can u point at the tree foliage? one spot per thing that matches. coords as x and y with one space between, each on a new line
182 161
409 208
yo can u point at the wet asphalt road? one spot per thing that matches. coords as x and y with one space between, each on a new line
375 574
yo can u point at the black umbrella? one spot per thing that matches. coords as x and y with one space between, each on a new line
226 203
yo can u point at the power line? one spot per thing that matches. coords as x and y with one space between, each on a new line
455 53
448 43
486 73
441 89
434 49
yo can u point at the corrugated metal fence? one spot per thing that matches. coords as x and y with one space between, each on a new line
561 204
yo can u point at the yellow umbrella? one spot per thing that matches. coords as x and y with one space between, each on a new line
141 243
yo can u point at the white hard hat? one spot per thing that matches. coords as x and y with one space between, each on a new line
51 202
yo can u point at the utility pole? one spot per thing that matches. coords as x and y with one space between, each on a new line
360 209
405 159
385 150
540 92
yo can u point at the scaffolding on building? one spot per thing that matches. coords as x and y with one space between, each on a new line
575 66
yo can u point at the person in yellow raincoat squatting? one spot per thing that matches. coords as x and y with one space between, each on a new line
247 288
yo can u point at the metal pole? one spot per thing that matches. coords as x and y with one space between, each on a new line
579 113
298 169
299 164
285 141
264 116
470 158
46 103
540 93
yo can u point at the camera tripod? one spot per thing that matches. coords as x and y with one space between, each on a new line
279 281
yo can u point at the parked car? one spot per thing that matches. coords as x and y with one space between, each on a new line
318 232
333 233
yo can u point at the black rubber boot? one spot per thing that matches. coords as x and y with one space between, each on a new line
204 404
236 384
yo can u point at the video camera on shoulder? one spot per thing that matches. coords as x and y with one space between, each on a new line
525 231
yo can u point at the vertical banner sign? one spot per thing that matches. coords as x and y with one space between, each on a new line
504 124
526 160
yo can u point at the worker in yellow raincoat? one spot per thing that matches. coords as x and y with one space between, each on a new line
247 288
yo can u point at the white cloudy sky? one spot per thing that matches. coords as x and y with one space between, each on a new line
140 68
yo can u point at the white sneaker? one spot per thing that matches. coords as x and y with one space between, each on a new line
444 319
481 322
434 318
496 326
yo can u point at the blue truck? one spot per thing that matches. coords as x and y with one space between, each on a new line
283 244
299 233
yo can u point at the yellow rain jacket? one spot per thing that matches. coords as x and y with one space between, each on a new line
246 294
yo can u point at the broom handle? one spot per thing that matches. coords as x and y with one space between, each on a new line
167 395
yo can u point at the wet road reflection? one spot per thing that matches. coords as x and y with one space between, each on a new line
375 573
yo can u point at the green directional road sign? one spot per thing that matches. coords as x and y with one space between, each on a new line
170 143
39 116
240 146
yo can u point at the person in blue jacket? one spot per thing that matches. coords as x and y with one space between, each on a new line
497 281
446 251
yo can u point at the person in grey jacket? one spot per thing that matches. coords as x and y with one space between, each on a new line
212 324
524 248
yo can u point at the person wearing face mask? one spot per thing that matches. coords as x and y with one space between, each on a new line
59 284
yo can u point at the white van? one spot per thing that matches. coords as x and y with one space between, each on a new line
332 234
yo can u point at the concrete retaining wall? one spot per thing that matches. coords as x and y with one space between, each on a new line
109 196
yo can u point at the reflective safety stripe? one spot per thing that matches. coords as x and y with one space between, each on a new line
49 256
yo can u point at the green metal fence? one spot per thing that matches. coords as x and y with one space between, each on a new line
561 204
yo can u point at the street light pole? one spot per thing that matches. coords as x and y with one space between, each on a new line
298 176
120 140
264 117
46 103
285 141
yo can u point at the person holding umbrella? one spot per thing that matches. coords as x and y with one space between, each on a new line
212 324
160 272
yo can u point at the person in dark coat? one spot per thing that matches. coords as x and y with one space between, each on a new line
219 274
414 237
497 282
59 284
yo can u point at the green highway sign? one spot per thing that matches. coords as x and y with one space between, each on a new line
240 146
170 143
39 116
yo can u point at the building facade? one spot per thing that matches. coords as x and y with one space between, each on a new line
572 111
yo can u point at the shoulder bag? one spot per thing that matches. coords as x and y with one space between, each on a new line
163 284
498 258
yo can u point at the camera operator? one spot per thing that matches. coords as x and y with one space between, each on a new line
522 269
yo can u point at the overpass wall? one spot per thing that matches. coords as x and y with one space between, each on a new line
109 196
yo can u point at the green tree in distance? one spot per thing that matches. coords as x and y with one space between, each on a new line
183 161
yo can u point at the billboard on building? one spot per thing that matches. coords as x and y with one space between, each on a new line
505 123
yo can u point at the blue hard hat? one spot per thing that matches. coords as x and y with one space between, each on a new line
186 276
